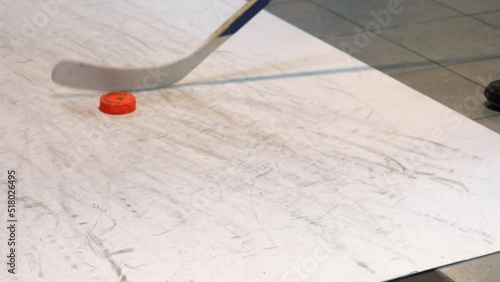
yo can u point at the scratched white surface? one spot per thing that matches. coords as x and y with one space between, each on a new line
278 159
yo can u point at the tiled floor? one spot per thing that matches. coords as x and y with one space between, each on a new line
448 50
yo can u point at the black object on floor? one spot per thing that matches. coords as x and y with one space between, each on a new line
492 93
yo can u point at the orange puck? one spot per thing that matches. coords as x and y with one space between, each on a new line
117 103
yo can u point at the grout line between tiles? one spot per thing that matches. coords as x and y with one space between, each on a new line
484 13
449 7
484 22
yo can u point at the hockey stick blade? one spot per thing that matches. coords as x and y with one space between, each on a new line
91 77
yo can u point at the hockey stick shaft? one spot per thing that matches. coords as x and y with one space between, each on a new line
85 76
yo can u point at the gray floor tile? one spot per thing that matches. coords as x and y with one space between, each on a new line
449 41
492 123
481 72
380 53
312 19
366 11
277 2
472 6
492 18
449 89
430 276
486 269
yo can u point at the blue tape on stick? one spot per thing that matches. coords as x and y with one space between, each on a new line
245 17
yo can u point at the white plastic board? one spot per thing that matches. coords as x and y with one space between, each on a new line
278 159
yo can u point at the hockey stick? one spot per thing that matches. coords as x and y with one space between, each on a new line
85 76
